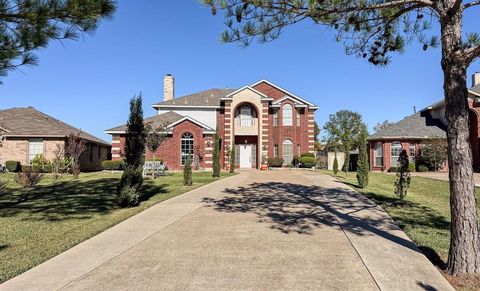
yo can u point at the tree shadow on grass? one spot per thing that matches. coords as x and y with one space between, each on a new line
73 199
302 209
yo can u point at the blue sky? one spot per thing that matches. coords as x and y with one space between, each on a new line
88 83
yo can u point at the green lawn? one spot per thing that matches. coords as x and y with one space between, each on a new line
425 217
37 225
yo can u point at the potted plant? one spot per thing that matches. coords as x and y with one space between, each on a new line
264 166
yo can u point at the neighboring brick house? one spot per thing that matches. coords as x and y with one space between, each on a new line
409 134
260 120
27 132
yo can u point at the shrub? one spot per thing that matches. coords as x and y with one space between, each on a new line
232 160
187 172
335 164
275 162
40 164
393 169
216 155
128 196
13 166
403 176
295 161
363 166
113 165
307 162
128 189
310 155
28 178
422 168
411 167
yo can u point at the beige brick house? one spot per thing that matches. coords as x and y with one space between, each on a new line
27 132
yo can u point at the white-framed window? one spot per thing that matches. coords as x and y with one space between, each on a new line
35 147
395 150
287 151
298 117
411 154
287 115
378 154
186 147
275 151
245 116
275 117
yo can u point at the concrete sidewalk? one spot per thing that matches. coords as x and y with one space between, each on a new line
286 230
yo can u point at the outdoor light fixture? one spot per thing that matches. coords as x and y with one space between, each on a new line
264 147
208 143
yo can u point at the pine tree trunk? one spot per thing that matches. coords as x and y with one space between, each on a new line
464 254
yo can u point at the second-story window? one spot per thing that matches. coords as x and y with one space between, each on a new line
287 115
275 117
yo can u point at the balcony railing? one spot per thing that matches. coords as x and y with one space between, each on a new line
246 122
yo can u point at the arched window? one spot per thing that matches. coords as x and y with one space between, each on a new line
378 154
411 154
287 151
395 150
287 115
186 147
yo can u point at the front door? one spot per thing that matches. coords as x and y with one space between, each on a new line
246 156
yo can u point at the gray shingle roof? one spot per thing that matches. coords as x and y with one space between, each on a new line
157 120
475 89
413 126
27 121
209 97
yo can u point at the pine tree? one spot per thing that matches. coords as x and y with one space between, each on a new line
132 179
135 135
27 26
187 172
335 164
216 155
232 160
403 176
363 167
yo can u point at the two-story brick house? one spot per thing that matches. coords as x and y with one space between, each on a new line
261 120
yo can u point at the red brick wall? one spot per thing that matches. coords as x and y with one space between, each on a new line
169 151
269 90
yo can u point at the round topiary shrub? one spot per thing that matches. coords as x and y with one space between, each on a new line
275 162
112 165
422 168
13 166
307 162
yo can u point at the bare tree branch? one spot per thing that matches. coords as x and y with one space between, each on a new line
468 5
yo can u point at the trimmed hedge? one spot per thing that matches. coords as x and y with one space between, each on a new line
422 168
275 162
307 155
13 166
307 162
112 165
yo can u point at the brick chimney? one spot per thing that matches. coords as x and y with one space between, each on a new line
475 79
168 87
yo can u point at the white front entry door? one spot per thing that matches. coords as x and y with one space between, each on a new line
246 156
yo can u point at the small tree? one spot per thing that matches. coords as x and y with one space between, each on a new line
59 164
187 172
344 128
434 153
363 167
232 160
155 136
335 164
131 182
216 155
74 148
403 176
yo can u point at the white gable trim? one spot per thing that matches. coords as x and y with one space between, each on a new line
285 91
473 93
229 96
156 106
203 125
285 98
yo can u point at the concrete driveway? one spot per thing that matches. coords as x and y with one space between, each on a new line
286 230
